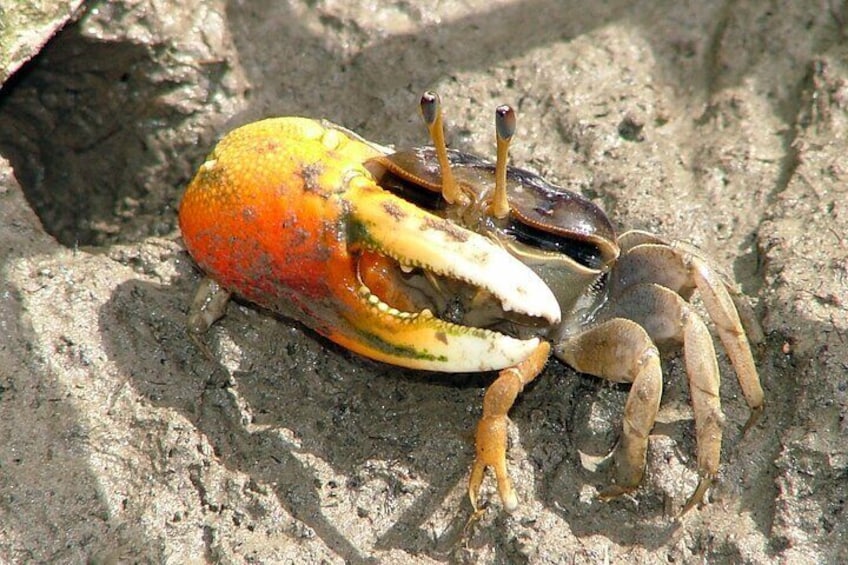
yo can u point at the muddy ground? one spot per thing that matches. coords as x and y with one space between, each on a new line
725 124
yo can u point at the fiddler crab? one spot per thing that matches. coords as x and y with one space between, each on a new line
434 259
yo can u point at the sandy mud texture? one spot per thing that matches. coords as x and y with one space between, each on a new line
722 123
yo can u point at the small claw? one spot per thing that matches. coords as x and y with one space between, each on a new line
491 452
491 436
510 500
478 470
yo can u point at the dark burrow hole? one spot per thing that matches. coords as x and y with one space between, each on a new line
88 128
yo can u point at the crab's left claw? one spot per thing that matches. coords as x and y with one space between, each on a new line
284 213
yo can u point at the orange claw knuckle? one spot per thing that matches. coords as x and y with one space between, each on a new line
264 216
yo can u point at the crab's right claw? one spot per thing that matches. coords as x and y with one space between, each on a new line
285 213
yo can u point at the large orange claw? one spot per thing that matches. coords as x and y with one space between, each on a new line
283 212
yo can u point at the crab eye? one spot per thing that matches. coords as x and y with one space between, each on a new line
584 252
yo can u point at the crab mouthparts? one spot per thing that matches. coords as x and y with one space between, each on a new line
411 256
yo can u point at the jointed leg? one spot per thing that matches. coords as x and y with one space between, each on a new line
667 317
620 350
491 437
722 310
647 259
207 307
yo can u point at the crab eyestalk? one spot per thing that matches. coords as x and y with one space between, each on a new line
431 111
504 130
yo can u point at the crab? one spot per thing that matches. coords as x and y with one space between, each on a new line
434 259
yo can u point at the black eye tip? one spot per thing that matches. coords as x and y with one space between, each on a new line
429 105
505 121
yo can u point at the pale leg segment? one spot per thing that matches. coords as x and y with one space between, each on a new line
720 306
207 307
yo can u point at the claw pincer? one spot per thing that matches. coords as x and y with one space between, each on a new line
285 214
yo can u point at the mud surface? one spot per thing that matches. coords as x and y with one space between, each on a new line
725 124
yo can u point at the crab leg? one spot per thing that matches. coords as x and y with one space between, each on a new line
620 350
667 317
681 269
491 436
207 307
723 313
